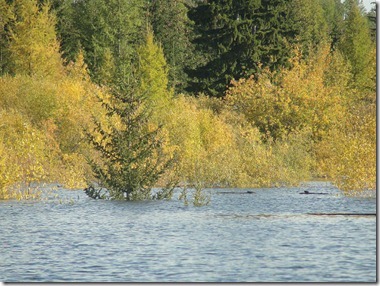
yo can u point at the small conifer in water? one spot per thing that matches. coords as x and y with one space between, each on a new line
131 152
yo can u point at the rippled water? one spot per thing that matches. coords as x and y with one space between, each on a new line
267 236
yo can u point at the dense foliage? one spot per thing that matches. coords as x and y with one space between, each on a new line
131 151
173 29
278 92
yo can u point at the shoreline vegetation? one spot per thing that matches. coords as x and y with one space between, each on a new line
134 101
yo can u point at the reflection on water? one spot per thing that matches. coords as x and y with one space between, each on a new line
271 235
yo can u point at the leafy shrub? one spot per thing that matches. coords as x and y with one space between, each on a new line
351 149
204 144
42 126
291 99
25 153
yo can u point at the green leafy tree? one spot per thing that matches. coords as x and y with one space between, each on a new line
67 29
132 156
276 31
226 39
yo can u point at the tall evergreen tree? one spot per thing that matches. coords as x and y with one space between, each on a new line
226 38
371 15
153 72
6 18
311 22
33 43
333 11
277 31
102 29
67 29
237 37
357 46
172 28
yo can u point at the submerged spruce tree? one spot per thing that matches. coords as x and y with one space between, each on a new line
131 151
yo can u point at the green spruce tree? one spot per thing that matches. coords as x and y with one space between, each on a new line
277 31
237 37
102 29
173 29
6 19
311 24
69 32
132 156
357 46
333 11
225 34
371 15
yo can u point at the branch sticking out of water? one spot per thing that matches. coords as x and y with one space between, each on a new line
199 197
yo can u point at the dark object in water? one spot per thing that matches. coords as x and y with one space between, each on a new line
238 193
311 193
94 193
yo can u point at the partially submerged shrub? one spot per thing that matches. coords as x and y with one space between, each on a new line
204 144
199 197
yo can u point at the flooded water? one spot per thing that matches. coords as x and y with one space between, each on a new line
270 235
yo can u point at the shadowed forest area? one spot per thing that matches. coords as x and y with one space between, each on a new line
132 94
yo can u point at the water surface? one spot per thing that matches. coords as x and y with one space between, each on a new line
266 236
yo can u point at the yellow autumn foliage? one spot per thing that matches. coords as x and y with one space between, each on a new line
351 149
215 146
153 71
43 123
313 121
278 128
44 107
203 144
293 99
33 46
25 154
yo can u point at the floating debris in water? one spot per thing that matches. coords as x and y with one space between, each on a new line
237 193
312 193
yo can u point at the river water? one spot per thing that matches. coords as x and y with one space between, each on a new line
271 235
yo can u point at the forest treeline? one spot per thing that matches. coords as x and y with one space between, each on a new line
234 93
